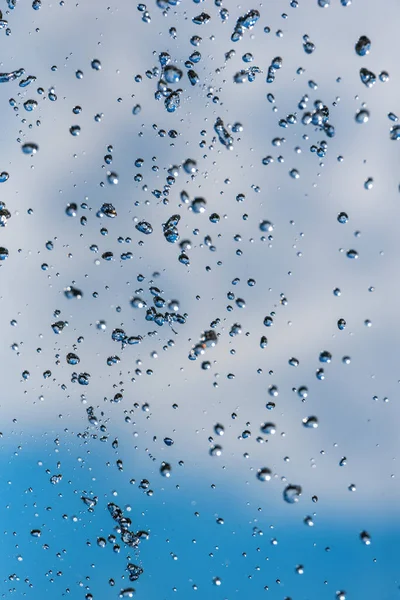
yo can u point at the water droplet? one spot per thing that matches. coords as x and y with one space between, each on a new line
365 538
36 533
325 357
310 422
165 469
268 428
72 359
292 493
6 77
216 450
352 254
144 227
264 474
75 130
367 77
3 253
342 217
30 105
172 74
362 116
30 148
112 178
363 46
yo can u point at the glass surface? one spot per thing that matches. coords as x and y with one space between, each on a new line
199 300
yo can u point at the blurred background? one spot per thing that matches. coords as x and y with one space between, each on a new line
144 433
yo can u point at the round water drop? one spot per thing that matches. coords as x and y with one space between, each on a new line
4 176
341 324
71 210
3 253
395 133
266 226
219 429
302 392
112 178
342 217
198 205
369 183
264 474
165 469
172 74
30 105
308 47
384 76
75 130
325 357
292 493
362 116
190 166
310 422
268 428
96 64
30 148
73 359
294 174
216 450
